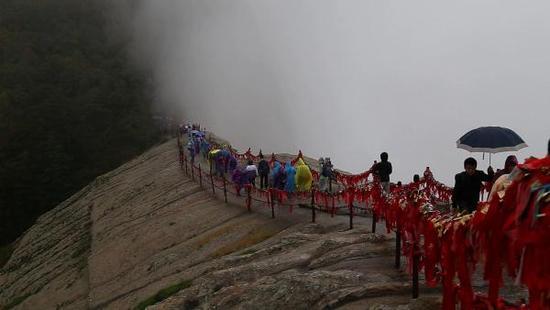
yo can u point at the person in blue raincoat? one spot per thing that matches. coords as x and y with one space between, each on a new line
197 146
225 156
191 149
290 185
277 176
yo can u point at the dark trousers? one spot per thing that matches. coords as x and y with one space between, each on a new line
263 181
468 206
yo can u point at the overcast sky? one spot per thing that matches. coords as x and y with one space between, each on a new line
352 78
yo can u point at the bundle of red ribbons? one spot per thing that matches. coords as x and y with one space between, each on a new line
512 234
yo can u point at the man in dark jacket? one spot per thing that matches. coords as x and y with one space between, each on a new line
468 185
263 171
382 171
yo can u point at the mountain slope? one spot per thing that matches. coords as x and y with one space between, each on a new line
145 227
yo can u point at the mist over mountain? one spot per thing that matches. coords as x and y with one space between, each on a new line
72 104
351 79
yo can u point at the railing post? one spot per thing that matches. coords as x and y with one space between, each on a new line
248 198
351 215
313 205
415 271
200 175
212 181
272 203
224 190
333 207
185 161
373 222
397 248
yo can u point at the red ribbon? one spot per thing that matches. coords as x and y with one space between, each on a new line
513 234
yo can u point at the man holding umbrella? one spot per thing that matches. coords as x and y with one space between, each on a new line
468 185
491 139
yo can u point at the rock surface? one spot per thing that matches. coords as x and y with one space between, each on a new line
146 226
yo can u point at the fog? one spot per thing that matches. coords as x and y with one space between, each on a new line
349 79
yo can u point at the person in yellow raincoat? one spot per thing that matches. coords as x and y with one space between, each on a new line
212 155
213 160
303 176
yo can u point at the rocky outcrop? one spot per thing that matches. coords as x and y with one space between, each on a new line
146 226
311 269
49 264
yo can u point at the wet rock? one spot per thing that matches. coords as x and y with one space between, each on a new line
146 227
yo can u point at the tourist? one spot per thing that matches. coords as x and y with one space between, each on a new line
277 176
263 170
303 176
328 173
499 186
232 164
290 173
191 150
323 179
509 165
205 148
428 175
468 185
382 171
252 172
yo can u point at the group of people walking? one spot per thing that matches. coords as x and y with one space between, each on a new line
289 177
196 140
284 176
297 176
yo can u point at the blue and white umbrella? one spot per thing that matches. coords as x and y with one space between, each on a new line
491 140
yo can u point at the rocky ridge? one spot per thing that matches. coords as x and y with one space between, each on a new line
146 226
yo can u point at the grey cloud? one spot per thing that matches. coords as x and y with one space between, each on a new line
352 78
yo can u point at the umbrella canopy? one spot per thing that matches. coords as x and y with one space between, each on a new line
491 140
197 133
